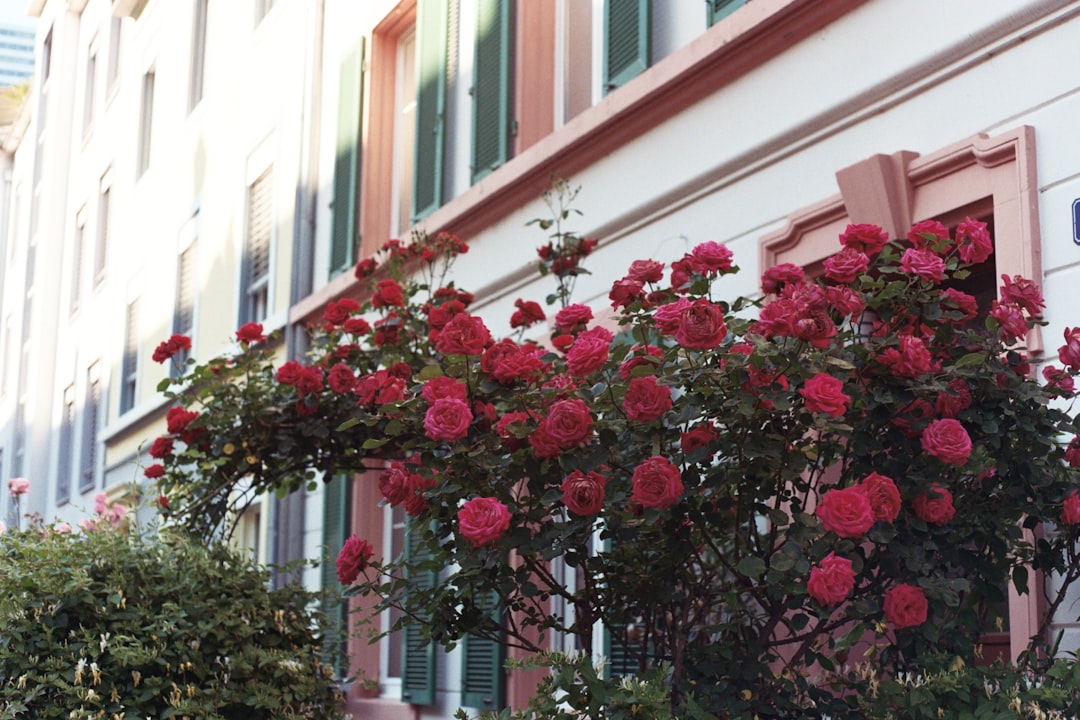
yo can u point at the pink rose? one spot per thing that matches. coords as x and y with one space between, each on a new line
701 325
18 486
935 507
948 441
645 400
1010 319
778 276
1024 293
589 352
573 315
443 387
656 483
973 241
101 503
864 238
463 335
846 512
448 419
710 256
923 264
824 393
927 234
884 498
624 292
483 520
831 581
569 423
646 271
962 301
905 606
583 493
1069 353
1070 509
846 265
353 559
667 317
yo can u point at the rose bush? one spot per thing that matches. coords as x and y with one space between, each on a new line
743 491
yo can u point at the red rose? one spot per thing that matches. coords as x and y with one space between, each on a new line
177 419
1058 380
646 271
356 326
162 447
1070 509
463 335
569 423
1023 292
905 606
1069 353
640 356
388 293
910 359
289 373
1072 452
482 521
883 496
444 387
846 512
448 419
923 264
310 381
1010 319
379 388
512 429
365 268
394 483
167 348
625 291
583 494
955 399
543 445
973 241
864 238
341 378
528 313
251 332
589 351
656 483
948 441
710 256
700 436
845 300
846 265
573 315
645 400
154 471
824 393
337 311
964 303
928 235
701 325
935 507
353 559
778 276
667 317
415 499
831 581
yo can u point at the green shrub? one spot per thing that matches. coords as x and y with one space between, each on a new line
112 625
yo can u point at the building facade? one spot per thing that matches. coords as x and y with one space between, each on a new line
188 165
16 52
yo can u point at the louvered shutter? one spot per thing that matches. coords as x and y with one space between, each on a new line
67 433
622 654
347 162
491 95
335 530
482 674
627 41
129 365
257 267
720 9
418 652
431 27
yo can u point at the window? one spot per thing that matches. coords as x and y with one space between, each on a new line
717 10
627 41
65 450
198 55
114 54
336 506
46 56
256 265
129 366
89 91
90 412
404 132
184 305
101 244
343 242
77 260
491 89
146 122
431 38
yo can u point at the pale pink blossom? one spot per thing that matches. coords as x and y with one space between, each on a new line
18 486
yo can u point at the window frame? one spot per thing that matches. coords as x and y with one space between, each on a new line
255 291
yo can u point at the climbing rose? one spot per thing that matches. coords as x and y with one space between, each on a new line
778 276
701 325
251 332
448 419
463 335
568 423
1069 353
911 359
645 271
1023 292
154 471
846 512
1070 510
948 441
161 447
657 483
884 498
864 237
973 241
927 233
831 581
528 313
905 606
483 520
589 351
167 348
18 486
583 493
353 559
935 506
572 316
846 265
824 393
646 400
923 264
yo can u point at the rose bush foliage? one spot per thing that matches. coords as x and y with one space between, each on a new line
742 491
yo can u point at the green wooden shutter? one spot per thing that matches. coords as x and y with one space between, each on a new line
418 652
719 9
491 95
482 673
335 530
431 29
627 41
622 655
347 161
